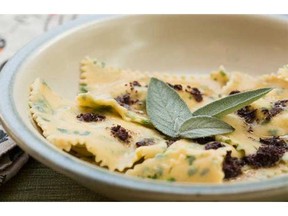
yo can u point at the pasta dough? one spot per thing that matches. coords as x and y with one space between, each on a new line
57 119
108 122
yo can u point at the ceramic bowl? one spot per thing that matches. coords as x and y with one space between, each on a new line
176 43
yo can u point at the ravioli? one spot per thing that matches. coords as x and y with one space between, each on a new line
246 136
57 118
108 122
241 139
102 86
185 162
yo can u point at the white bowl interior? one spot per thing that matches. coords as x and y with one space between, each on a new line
176 44
183 44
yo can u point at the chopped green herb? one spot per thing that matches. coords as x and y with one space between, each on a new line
102 64
191 171
153 176
159 156
43 106
83 88
171 179
190 159
204 172
44 119
101 109
273 132
146 122
76 132
85 133
62 130
229 141
222 73
44 83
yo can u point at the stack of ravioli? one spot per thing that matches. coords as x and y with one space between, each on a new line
101 91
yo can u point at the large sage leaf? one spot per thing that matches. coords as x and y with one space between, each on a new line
231 103
203 126
170 114
166 109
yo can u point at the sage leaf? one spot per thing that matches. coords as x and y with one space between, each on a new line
203 126
231 103
165 108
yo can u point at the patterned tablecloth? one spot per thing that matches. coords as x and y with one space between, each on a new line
32 181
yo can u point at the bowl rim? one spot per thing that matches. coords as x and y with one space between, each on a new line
69 165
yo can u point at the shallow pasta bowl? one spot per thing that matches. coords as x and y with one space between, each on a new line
186 44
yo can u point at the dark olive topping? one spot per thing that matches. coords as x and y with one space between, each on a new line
177 87
250 129
90 117
125 100
247 113
195 92
204 140
145 142
282 103
266 156
274 141
214 145
171 141
277 107
234 92
232 166
135 83
266 113
120 133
